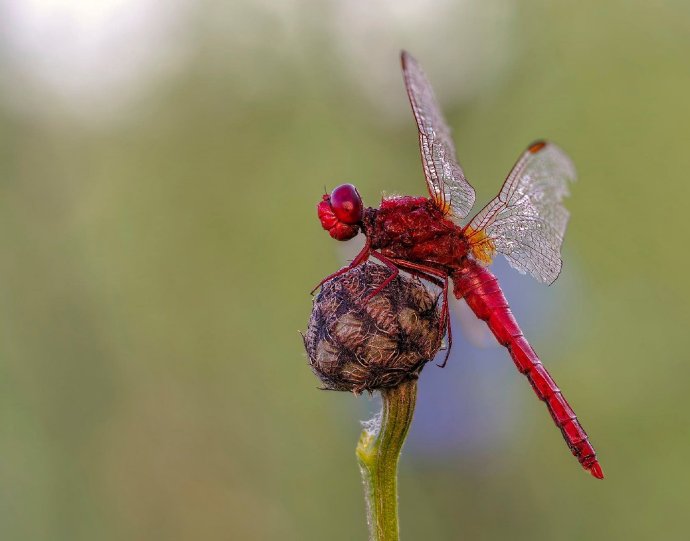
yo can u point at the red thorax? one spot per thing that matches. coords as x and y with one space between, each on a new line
414 229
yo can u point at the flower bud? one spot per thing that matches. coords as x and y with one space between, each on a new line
357 345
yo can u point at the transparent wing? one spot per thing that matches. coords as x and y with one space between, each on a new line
444 177
526 221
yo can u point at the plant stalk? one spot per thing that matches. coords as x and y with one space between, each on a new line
378 451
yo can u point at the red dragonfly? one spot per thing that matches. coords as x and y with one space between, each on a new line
426 237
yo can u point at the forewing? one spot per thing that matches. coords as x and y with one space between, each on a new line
444 177
526 221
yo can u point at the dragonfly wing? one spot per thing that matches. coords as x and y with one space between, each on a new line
445 179
526 221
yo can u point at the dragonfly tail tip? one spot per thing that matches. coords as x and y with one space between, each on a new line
595 470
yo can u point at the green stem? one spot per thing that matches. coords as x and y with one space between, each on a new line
378 452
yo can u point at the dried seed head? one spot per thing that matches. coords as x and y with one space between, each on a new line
357 346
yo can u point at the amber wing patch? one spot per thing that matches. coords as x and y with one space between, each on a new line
482 246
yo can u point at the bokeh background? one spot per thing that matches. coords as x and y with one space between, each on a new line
160 163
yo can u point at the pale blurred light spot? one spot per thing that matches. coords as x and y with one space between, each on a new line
88 57
95 58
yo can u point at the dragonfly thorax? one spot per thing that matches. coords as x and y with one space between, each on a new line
414 229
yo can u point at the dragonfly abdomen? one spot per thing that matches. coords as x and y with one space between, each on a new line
483 294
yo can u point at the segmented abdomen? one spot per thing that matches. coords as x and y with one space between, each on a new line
483 294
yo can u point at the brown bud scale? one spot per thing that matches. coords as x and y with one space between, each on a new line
358 346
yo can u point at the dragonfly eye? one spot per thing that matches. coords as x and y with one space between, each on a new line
347 204
341 212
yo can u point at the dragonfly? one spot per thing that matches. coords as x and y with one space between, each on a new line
428 238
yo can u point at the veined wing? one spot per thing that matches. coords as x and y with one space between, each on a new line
526 221
444 177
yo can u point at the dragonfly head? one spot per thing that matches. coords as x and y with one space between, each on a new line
341 212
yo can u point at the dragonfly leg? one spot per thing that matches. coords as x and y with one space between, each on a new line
394 272
360 258
417 270
449 332
430 272
424 276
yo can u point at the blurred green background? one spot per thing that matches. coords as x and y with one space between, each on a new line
160 163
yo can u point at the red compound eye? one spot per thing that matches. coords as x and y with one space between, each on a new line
347 204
